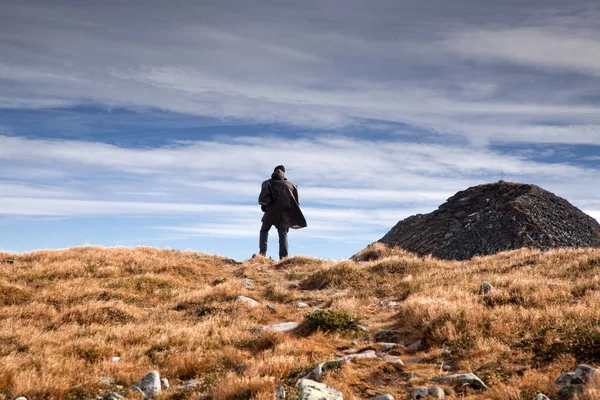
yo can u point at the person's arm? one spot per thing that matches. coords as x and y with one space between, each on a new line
265 197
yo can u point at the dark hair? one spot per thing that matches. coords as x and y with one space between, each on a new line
281 167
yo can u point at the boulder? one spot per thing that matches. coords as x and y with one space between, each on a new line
246 301
150 385
311 390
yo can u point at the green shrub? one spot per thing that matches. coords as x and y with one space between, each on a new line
330 320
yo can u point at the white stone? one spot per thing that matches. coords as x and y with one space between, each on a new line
471 379
150 385
194 383
247 301
311 390
282 327
280 393
392 359
420 393
105 380
383 397
302 305
116 359
165 383
364 354
388 346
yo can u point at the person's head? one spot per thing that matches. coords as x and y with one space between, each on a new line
281 167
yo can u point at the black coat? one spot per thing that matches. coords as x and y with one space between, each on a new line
279 199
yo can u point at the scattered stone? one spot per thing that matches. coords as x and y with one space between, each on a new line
247 283
116 359
383 397
271 308
318 372
150 385
293 286
362 328
311 390
302 305
420 393
585 372
165 383
570 392
363 354
247 301
414 360
194 383
337 294
485 288
282 327
350 351
433 391
21 398
388 336
112 396
105 380
567 379
280 393
416 346
470 378
388 304
387 346
392 359
436 392
541 396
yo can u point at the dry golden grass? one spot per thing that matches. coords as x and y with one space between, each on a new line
65 314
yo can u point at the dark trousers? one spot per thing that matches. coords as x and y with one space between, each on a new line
283 240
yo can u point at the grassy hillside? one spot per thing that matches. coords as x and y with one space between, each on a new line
65 315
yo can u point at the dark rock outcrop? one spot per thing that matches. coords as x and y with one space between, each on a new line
490 218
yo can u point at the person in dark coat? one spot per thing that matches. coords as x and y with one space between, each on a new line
279 201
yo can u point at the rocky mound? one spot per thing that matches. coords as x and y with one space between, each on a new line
495 217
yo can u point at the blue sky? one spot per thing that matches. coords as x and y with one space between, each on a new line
154 123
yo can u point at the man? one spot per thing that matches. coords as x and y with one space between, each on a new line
279 201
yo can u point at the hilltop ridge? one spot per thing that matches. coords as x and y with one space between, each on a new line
495 217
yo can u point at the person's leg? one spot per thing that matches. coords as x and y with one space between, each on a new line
283 242
264 238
